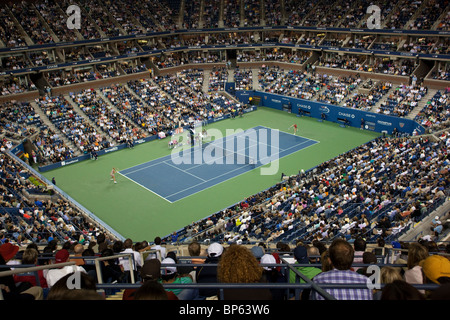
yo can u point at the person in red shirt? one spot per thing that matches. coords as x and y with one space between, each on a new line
26 216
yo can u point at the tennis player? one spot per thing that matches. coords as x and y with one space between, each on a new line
295 128
113 174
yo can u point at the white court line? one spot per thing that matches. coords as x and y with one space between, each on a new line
279 149
235 170
250 140
206 182
191 194
291 134
232 135
150 165
184 171
145 187
299 144
225 139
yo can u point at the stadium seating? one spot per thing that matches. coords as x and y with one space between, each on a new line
316 207
434 115
288 51
403 100
217 79
71 124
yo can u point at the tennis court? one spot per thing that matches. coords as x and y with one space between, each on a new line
194 169
134 211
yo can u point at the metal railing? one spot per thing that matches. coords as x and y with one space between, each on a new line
19 269
292 289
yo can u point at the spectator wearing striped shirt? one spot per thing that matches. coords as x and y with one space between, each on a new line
341 255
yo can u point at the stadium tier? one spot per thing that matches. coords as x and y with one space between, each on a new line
100 99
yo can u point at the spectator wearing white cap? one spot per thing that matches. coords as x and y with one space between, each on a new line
208 274
436 226
170 275
272 274
435 220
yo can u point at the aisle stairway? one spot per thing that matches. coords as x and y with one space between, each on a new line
383 100
87 119
52 126
422 103
206 76
117 296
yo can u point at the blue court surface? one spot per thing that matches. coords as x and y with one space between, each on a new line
186 172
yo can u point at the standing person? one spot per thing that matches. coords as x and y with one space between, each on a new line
157 246
136 260
295 128
113 174
192 136
27 157
341 256
34 156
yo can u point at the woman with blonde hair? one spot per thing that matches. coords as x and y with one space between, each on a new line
387 275
239 265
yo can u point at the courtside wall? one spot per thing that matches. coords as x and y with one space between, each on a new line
323 111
